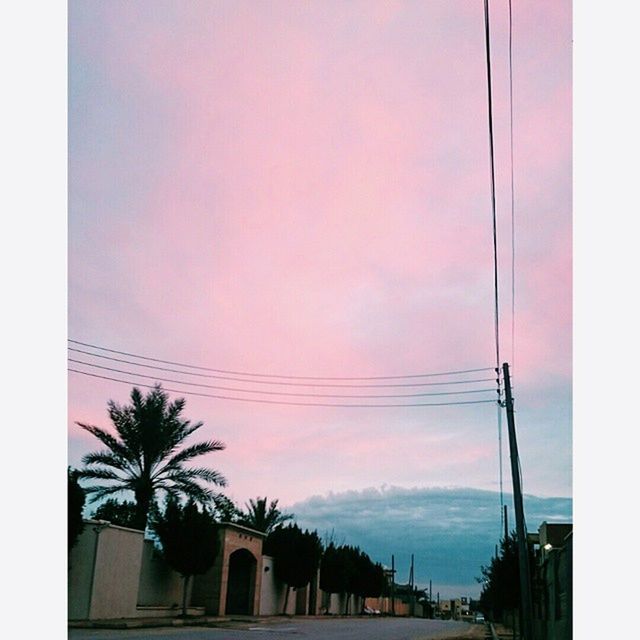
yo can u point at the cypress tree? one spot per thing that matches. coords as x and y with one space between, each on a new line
189 541
296 556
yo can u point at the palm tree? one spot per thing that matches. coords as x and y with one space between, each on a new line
258 517
144 458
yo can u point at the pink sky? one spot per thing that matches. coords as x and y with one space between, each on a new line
303 188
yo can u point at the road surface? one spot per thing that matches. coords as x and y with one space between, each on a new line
310 629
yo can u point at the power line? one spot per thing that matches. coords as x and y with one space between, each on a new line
513 240
272 382
495 234
513 225
280 393
282 402
493 183
273 375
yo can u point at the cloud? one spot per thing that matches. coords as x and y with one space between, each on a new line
450 531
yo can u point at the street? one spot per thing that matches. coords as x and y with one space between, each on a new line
310 629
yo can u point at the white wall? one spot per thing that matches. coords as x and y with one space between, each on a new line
117 573
80 574
272 592
269 590
104 572
337 603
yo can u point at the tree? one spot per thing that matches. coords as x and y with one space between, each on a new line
296 556
337 570
121 513
374 582
144 458
346 569
257 516
75 505
224 509
189 540
333 570
501 581
355 563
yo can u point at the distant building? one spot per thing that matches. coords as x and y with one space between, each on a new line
454 608
450 609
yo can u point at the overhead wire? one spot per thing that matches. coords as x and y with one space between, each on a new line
495 240
493 185
283 402
282 383
513 230
513 225
273 375
279 393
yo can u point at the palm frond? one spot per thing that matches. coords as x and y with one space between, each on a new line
258 516
199 473
97 493
98 474
123 419
193 451
176 433
108 440
193 490
108 459
191 427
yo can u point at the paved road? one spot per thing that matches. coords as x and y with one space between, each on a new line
340 629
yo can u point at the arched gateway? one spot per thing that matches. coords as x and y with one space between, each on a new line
241 583
232 585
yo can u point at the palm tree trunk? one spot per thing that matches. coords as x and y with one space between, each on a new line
185 588
143 501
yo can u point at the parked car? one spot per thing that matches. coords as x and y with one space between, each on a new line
479 618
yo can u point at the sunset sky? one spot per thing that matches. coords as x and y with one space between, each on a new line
302 188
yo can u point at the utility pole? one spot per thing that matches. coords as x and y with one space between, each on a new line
393 585
506 525
430 601
411 594
523 555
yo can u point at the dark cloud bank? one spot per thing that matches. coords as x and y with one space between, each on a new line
451 531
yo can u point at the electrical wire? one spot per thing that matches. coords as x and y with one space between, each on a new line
272 375
495 234
281 402
513 225
280 393
493 183
272 382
